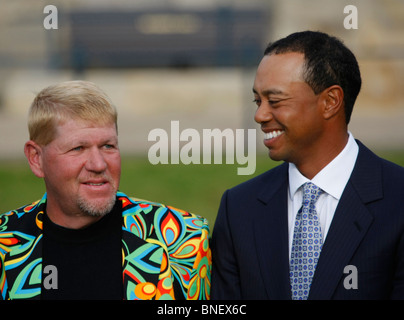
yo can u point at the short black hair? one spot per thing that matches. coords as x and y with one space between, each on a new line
327 62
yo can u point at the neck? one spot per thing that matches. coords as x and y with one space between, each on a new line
313 164
70 221
79 222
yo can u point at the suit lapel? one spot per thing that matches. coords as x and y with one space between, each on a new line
350 224
271 234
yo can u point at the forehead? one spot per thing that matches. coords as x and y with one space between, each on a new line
72 130
279 70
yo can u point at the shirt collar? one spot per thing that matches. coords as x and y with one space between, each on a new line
333 177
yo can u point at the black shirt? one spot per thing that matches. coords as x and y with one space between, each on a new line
88 261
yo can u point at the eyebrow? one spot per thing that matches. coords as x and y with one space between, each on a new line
85 143
268 92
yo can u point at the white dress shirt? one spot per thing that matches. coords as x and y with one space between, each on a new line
332 179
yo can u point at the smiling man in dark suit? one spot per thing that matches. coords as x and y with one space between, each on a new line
332 206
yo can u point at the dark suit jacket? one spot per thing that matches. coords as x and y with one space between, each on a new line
250 237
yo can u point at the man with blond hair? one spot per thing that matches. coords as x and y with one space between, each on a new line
98 242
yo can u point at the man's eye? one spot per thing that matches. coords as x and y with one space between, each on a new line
257 101
77 148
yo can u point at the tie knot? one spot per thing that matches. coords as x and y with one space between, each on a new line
311 192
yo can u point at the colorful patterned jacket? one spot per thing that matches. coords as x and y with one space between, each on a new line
175 249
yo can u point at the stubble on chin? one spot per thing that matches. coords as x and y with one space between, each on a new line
96 208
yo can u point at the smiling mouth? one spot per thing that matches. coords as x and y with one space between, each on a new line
273 134
95 183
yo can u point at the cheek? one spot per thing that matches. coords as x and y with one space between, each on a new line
305 132
288 119
302 117
62 172
114 165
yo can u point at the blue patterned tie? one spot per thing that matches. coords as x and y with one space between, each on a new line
307 242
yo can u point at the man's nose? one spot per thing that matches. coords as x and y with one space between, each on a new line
96 161
263 113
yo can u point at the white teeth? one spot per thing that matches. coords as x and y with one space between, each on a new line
95 184
272 134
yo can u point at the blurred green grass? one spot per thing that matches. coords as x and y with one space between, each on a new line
194 188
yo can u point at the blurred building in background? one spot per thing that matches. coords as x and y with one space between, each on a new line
172 37
188 60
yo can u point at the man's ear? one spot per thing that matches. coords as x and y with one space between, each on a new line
333 102
33 152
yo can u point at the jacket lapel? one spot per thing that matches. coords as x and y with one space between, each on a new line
350 224
271 233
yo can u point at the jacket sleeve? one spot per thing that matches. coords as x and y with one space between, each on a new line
3 280
225 274
200 282
398 284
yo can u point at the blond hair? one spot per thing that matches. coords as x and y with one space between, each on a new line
58 103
